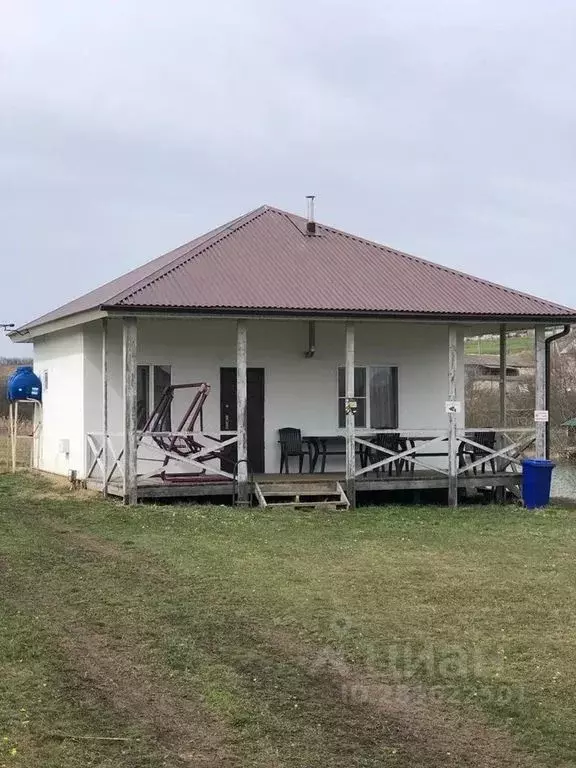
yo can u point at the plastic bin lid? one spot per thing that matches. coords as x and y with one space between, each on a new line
538 463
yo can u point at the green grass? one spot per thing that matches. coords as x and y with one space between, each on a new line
181 635
514 345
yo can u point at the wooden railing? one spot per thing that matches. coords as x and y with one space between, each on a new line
207 453
510 446
433 438
208 448
95 456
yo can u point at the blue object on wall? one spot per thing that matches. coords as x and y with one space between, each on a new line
536 482
23 384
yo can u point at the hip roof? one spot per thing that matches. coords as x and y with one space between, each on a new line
266 262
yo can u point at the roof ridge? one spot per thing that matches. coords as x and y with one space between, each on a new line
213 237
442 267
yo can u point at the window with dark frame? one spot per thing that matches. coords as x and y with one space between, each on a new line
376 395
151 381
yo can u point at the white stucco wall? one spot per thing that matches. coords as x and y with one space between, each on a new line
298 391
61 355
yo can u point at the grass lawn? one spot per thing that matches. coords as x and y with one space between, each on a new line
208 636
514 345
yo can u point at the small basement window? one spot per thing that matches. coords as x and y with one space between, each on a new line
151 381
376 393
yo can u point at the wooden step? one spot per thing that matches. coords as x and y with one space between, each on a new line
304 504
286 489
301 494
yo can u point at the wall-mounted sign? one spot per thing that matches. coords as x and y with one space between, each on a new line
453 406
541 416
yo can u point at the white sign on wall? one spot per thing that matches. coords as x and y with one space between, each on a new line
540 416
453 406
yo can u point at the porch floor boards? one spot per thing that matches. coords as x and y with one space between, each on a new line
152 488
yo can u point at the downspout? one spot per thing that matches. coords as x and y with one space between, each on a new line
564 332
311 351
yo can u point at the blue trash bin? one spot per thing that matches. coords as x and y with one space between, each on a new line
536 481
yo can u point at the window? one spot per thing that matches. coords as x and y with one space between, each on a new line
376 395
151 381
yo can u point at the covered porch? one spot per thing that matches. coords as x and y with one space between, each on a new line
371 405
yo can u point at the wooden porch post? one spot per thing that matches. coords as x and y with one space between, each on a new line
540 388
350 418
129 341
105 405
242 409
452 417
503 369
500 492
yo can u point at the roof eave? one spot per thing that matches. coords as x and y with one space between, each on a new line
27 333
340 313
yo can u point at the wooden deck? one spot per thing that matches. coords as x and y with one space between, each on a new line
153 488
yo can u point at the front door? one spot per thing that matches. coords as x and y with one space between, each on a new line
255 415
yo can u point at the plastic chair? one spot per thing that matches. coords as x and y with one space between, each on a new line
291 444
487 439
392 442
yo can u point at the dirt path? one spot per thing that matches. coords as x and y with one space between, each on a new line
179 724
427 728
350 715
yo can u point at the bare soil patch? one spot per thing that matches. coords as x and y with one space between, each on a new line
183 728
429 730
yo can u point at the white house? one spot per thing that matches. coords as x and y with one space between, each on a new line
292 324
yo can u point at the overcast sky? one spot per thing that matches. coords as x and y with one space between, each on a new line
445 128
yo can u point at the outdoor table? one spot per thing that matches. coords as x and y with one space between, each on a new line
411 440
332 445
326 445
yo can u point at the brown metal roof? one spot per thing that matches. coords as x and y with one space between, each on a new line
265 261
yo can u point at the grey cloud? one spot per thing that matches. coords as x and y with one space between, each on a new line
442 128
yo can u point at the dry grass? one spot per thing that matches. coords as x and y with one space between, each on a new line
24 445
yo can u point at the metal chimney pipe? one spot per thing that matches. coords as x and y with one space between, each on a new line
311 224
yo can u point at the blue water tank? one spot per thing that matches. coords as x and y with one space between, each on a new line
23 384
